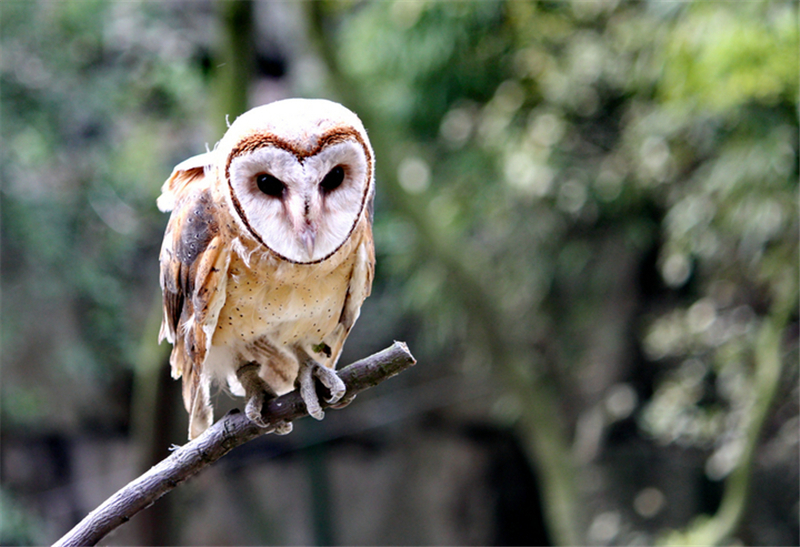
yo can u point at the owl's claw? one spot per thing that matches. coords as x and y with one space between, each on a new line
255 401
308 390
343 402
282 428
256 390
253 411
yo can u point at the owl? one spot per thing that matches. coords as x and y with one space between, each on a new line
268 256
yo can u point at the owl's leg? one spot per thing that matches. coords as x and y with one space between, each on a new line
310 369
256 392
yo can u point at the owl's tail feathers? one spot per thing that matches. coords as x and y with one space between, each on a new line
196 390
198 404
164 333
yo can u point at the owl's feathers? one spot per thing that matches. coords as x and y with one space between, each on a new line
272 276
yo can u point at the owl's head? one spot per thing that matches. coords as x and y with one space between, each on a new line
299 175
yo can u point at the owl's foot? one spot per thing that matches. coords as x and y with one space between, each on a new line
282 428
308 389
343 402
256 392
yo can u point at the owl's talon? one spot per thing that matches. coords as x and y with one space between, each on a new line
308 389
256 390
282 428
253 409
330 380
343 402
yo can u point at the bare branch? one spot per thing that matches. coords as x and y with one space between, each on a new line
232 430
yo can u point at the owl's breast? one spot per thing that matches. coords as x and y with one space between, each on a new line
274 308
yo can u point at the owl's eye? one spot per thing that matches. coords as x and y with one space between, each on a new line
333 179
270 185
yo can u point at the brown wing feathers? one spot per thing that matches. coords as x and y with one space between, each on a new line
189 276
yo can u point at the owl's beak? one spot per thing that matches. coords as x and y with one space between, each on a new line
303 214
307 237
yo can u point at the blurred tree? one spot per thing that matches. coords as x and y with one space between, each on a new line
99 99
547 162
93 109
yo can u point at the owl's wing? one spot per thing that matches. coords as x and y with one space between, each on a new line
194 264
183 175
359 288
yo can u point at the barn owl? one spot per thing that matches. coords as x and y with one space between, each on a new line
268 256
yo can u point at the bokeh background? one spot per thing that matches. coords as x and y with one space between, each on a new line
586 230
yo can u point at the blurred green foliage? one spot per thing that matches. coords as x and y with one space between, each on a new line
97 103
620 178
16 526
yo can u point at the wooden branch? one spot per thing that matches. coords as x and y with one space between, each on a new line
232 430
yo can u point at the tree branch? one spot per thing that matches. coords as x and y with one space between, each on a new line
232 430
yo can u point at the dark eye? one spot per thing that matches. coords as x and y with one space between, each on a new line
333 179
270 185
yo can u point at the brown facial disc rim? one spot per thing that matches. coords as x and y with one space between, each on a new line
262 139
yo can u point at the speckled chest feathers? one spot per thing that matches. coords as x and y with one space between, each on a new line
276 311
268 256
